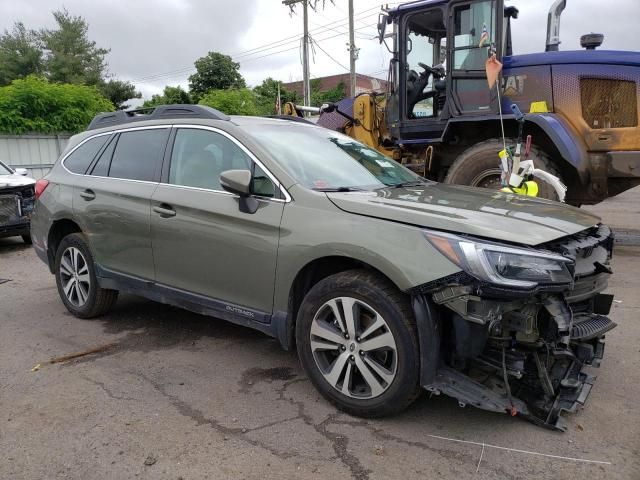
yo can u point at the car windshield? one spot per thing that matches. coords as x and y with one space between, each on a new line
322 159
4 170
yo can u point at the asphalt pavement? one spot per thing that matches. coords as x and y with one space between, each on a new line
622 213
170 394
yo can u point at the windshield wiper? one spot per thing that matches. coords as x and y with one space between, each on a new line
412 183
340 189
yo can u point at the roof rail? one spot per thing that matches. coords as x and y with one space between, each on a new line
161 112
291 118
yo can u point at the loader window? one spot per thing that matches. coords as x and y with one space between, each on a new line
474 31
425 37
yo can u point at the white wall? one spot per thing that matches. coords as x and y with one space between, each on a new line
36 153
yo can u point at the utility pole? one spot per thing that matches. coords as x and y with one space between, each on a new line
306 86
353 53
305 55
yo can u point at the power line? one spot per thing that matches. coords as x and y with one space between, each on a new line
263 48
182 72
325 52
255 50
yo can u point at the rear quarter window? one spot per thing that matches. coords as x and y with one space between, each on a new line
138 154
80 159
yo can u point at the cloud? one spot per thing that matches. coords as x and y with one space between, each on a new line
155 42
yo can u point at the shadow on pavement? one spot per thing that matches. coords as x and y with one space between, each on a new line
12 244
149 326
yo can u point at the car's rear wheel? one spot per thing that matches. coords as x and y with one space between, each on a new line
76 279
357 341
26 238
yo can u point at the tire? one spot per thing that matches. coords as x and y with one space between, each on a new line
85 299
479 166
393 367
26 238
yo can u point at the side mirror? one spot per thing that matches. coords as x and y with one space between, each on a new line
22 171
238 182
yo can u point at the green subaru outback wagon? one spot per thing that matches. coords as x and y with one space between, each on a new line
385 282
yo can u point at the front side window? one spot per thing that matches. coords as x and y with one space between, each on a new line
200 156
261 184
80 159
322 159
138 154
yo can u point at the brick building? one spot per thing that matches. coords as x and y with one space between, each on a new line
364 83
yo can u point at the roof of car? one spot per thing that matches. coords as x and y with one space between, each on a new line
161 112
183 113
242 121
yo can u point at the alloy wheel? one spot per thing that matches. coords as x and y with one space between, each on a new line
74 276
353 348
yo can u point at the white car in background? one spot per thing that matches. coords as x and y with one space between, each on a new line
17 197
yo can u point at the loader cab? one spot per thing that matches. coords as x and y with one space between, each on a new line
438 66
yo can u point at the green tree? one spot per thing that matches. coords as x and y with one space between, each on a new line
170 95
20 54
119 91
215 71
33 105
319 97
266 94
240 101
71 57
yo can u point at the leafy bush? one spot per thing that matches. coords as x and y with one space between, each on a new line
267 95
319 97
33 105
241 101
170 95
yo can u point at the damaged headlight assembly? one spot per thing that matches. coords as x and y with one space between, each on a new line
503 265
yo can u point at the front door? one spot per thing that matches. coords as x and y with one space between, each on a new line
474 32
202 243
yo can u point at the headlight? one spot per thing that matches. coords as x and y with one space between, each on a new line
501 264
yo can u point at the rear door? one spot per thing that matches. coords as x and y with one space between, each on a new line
202 243
112 202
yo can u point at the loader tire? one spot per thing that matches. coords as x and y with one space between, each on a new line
478 166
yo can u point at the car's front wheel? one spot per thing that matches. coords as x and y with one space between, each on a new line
76 279
357 341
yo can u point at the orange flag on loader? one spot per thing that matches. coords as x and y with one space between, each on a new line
493 68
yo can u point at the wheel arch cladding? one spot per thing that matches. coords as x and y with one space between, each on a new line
309 275
59 229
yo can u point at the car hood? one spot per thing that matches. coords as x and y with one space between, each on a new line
473 211
15 180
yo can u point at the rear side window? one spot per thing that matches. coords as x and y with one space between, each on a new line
101 168
81 158
138 154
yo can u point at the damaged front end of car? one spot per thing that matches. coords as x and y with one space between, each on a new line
16 205
518 327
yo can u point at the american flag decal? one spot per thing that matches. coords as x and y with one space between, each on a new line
484 37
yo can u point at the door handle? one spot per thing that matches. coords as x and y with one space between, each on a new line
164 210
88 194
